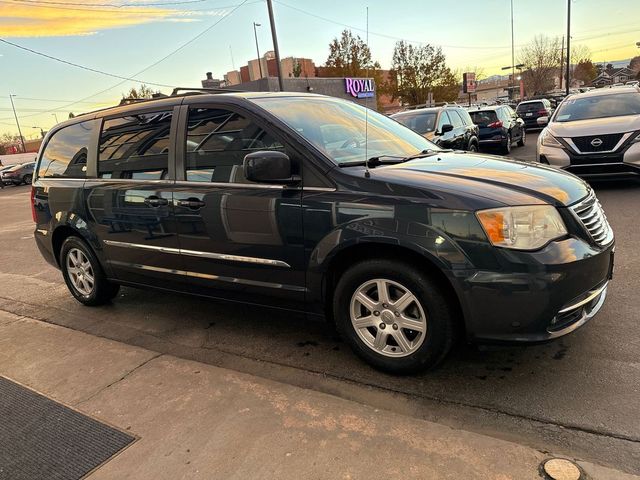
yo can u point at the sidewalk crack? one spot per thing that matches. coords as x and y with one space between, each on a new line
127 374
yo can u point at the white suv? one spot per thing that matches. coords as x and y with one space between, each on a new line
595 134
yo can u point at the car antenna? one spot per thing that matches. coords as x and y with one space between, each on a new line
366 114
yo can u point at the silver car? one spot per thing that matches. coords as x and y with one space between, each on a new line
595 134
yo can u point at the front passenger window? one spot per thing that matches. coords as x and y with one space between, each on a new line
217 142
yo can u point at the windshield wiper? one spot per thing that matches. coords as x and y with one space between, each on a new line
392 159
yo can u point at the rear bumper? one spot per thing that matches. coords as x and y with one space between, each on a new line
550 293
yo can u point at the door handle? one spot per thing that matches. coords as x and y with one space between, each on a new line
154 201
192 203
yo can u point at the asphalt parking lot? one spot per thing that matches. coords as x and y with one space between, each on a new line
577 396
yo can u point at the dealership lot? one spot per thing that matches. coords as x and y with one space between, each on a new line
576 396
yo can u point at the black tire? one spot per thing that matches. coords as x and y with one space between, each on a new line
439 315
473 147
27 179
506 148
523 139
103 290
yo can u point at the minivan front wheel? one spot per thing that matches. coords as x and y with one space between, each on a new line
393 315
83 274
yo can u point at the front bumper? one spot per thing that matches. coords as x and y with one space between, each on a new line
623 163
544 295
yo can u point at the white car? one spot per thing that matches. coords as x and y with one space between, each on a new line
594 134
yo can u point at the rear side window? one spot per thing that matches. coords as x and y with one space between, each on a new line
217 142
65 154
135 146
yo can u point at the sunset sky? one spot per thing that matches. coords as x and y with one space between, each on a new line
125 37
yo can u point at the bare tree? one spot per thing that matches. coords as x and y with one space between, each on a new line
541 59
142 92
634 64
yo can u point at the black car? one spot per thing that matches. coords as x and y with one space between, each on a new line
500 127
448 127
252 197
535 113
18 174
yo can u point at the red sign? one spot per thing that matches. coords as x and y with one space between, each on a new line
469 82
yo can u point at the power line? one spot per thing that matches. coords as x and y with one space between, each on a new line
147 67
77 65
122 5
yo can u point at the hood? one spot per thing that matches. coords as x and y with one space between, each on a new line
596 126
506 181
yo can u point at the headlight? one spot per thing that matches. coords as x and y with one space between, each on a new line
522 228
548 140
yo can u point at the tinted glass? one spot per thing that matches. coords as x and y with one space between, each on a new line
420 122
466 119
217 142
135 146
598 107
443 120
308 117
456 121
530 107
483 118
65 154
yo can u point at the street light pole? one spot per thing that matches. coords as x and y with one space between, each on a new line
567 78
513 54
24 149
275 44
255 34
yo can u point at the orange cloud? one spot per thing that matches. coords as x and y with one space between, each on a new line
37 21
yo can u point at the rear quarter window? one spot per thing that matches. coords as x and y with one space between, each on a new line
65 154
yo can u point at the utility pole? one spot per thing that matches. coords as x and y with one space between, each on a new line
513 55
561 61
567 76
24 149
56 117
257 49
275 44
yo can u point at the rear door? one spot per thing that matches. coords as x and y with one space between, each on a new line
131 200
459 130
239 240
445 140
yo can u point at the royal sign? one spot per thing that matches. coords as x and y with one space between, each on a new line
359 87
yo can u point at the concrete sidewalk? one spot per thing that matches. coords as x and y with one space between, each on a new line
199 421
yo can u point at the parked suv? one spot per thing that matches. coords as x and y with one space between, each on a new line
448 127
535 113
499 127
249 197
595 134
18 174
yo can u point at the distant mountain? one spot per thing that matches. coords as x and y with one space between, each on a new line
617 63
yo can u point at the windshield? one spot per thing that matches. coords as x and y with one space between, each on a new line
601 106
337 128
423 122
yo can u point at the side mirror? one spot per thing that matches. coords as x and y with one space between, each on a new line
268 166
447 127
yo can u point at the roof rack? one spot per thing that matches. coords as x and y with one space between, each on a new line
203 90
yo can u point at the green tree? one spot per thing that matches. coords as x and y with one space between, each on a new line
297 69
634 64
349 56
585 71
420 70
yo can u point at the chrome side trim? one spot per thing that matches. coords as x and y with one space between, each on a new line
260 186
318 189
586 300
207 276
197 253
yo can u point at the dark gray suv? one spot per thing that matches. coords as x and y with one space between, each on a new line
255 198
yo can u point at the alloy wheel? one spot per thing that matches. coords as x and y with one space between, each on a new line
388 317
80 272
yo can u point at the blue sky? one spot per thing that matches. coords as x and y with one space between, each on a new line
125 40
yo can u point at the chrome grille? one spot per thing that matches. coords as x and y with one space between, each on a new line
592 216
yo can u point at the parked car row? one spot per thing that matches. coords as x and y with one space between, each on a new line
20 174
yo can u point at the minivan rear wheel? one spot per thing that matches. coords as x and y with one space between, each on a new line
83 274
394 316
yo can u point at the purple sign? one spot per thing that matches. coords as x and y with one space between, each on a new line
359 87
